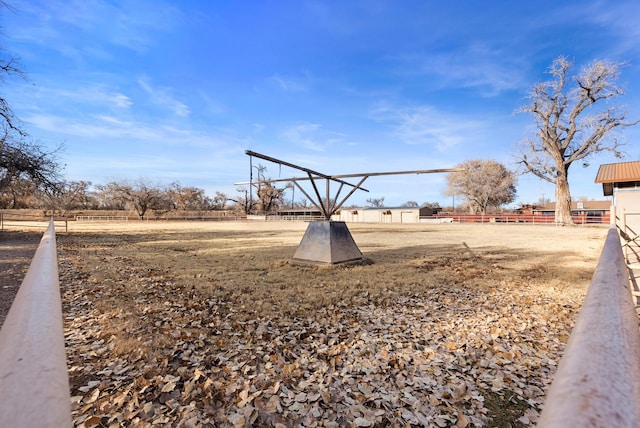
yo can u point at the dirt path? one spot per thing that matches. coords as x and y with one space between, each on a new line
16 251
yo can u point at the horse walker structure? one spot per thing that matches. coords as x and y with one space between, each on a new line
327 241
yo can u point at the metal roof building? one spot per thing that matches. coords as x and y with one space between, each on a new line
618 175
577 207
385 214
622 181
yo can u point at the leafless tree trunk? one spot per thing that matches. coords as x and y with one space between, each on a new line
571 127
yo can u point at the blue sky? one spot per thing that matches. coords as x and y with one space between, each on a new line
177 91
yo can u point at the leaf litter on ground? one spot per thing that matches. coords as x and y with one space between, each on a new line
437 339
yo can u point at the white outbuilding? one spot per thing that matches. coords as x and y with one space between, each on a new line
384 214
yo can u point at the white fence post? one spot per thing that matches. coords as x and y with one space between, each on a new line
598 379
34 384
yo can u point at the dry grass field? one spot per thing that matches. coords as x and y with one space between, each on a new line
206 324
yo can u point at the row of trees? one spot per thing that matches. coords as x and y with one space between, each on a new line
574 116
140 196
144 198
482 185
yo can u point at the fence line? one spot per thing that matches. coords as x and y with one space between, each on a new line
598 379
579 219
34 384
101 218
28 221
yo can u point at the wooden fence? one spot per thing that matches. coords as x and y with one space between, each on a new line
34 384
598 379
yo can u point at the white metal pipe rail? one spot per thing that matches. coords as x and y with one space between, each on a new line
34 384
598 379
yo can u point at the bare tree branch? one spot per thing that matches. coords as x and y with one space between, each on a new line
483 183
571 126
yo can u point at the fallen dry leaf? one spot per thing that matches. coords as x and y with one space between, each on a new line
417 338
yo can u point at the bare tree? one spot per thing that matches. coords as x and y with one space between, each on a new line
188 198
431 204
19 193
108 197
140 195
571 127
270 197
9 67
303 203
376 202
20 158
219 201
67 196
483 183
243 203
410 204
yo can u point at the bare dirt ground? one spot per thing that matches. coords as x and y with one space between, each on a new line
16 251
206 324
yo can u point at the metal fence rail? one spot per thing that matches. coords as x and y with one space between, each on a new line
598 380
34 385
21 221
579 219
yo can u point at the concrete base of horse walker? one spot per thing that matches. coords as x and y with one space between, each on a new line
326 243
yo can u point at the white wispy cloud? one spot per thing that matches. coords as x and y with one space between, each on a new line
211 106
312 136
489 70
289 84
621 19
121 100
77 96
426 125
101 128
129 24
299 135
162 97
